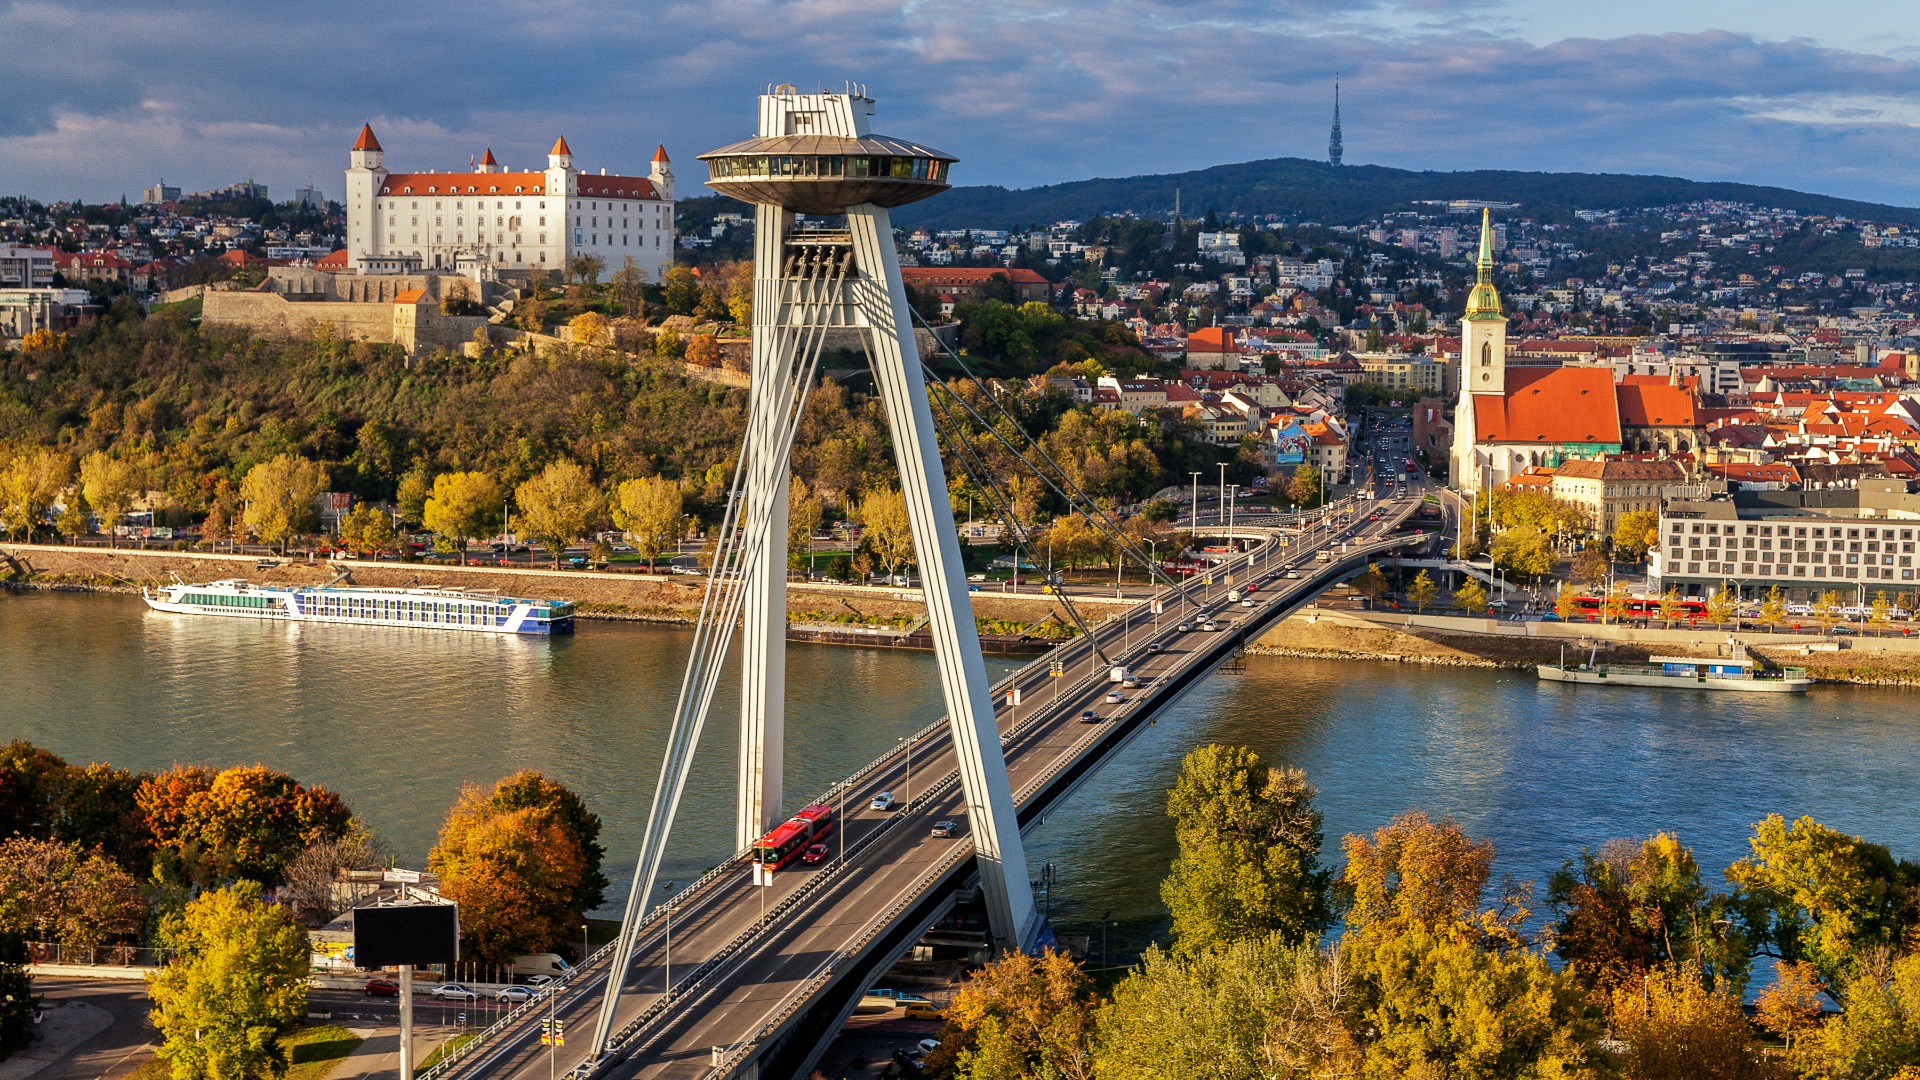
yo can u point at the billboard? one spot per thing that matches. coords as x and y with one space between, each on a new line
417 934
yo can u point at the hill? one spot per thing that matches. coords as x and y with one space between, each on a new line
1301 190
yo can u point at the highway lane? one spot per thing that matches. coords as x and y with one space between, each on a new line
889 867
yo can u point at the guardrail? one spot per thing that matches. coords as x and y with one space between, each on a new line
48 952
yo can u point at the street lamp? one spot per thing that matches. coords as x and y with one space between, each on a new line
1196 502
667 940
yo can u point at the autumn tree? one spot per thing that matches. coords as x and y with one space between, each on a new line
1671 608
110 485
647 510
281 495
1675 1027
1524 552
1828 898
1566 602
1303 490
464 506
411 495
883 514
1826 609
1789 1007
1249 846
680 289
1471 597
1422 591
246 822
1724 605
1635 532
19 1008
312 874
1020 1016
1592 568
1877 1033
559 506
57 892
1370 583
590 328
367 530
236 984
629 288
29 484
518 872
1881 612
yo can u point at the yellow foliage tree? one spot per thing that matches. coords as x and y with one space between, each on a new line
109 485
464 506
648 510
1676 1028
280 495
559 506
883 514
28 485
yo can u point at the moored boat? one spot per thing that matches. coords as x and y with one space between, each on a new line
429 609
1684 672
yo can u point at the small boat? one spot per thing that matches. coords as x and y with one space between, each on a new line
1684 672
426 609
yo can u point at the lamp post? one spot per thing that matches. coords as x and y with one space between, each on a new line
1196 502
666 887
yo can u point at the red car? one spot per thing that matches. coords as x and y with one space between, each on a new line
814 854
382 988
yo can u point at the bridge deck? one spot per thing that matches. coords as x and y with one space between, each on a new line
746 960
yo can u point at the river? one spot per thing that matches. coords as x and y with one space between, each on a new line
396 721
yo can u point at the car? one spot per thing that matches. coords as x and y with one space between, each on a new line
928 1046
815 853
1247 602
538 981
1293 575
1089 717
1210 626
455 992
944 829
1154 647
382 988
924 1010
1187 627
514 995
882 801
1114 698
1843 629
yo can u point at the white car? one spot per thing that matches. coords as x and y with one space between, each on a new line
1115 698
455 992
882 801
515 995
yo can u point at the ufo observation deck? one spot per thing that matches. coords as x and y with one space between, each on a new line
825 174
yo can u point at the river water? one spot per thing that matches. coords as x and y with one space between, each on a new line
396 720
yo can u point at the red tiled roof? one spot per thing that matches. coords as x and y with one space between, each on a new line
923 276
335 261
560 147
411 296
1655 405
487 158
507 183
618 187
660 154
1551 405
1212 339
366 141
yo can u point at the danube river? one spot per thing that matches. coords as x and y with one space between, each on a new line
397 720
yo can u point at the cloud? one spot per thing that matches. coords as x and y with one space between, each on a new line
117 93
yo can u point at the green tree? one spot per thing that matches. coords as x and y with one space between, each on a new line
1258 1008
18 1007
110 485
1020 1016
559 506
1303 489
1422 591
1524 552
1635 532
648 510
29 484
411 498
1828 897
882 513
1877 1033
1471 597
1249 853
517 874
464 506
367 530
680 289
281 495
237 983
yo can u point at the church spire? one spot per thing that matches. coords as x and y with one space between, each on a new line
1333 143
1484 301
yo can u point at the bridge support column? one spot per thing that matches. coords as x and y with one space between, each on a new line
881 304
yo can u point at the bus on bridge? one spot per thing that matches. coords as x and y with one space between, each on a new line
792 837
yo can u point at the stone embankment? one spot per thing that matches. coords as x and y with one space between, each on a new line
596 594
1456 641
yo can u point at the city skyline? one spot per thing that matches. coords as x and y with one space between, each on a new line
1027 95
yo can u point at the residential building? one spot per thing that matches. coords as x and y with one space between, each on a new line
974 283
1398 371
22 311
1853 541
159 193
1611 488
506 220
25 267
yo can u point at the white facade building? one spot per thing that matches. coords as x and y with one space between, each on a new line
491 217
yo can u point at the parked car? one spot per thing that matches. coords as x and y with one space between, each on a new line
945 829
882 801
382 988
514 995
815 853
455 992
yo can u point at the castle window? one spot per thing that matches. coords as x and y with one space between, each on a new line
1486 354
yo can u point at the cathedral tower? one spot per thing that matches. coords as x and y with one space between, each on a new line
1333 144
1483 358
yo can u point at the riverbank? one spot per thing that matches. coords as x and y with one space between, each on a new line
596 594
1458 641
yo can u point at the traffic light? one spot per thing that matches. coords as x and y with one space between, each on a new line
553 1032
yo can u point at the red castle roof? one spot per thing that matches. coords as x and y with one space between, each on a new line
366 141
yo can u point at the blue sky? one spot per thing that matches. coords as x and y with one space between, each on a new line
109 95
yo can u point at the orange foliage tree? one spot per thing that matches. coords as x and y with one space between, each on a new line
244 822
515 867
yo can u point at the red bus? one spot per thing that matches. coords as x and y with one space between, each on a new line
791 837
1642 607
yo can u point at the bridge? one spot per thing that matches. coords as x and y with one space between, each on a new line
734 979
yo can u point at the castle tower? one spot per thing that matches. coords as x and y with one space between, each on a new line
487 162
1483 358
366 171
662 173
1333 143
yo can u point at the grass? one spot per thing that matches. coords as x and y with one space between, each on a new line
316 1051
445 1048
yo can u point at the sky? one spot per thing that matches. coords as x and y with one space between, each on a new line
111 95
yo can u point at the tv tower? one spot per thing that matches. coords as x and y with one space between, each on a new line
1333 143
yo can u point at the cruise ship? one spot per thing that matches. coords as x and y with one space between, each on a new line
427 609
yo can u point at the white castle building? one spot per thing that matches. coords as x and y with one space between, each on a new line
490 217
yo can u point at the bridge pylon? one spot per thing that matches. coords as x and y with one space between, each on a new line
814 155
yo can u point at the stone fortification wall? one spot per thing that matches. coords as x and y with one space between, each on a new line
273 315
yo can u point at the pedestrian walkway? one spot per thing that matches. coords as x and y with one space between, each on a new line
63 1026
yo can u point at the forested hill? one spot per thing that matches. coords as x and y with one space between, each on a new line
1301 190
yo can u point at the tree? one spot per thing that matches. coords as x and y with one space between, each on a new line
1635 532
237 983
680 289
1303 489
19 1009
244 822
1829 897
590 328
629 289
516 874
1524 552
1422 591
736 285
1471 597
585 269
1773 609
72 521
1592 568
1675 1027
366 530
1371 584
1789 1007
1566 602
109 485
280 496
1724 605
1877 1033
1826 609
1615 606
1671 608
464 506
529 790
1881 613
559 506
805 512
1257 1008
883 514
648 510
28 486
1249 847
410 498
51 891
1019 1016
312 875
